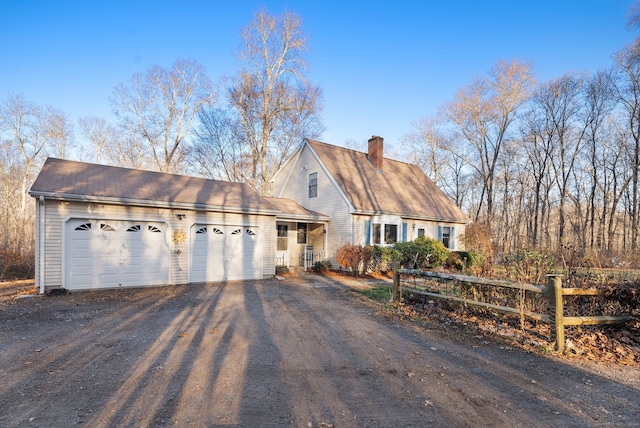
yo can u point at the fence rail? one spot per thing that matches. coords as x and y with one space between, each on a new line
554 291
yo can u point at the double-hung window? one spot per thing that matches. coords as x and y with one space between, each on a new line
313 184
446 235
384 233
390 233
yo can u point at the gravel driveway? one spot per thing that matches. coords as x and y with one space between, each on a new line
301 352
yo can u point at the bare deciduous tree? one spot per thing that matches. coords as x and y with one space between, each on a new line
99 134
158 108
272 105
28 132
431 149
483 113
628 91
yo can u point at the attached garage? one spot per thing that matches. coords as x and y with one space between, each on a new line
114 253
225 252
100 226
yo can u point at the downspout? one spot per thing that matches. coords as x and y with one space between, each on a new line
41 244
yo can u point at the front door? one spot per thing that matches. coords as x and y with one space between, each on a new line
282 245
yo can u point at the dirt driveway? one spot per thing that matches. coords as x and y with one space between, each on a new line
302 352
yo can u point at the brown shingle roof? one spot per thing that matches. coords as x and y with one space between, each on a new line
294 210
70 179
401 188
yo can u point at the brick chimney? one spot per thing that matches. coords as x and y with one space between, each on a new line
376 151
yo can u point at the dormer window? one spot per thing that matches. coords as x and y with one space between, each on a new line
313 184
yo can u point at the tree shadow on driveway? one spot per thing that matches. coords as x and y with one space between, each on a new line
299 352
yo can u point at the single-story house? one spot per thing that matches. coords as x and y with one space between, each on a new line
101 226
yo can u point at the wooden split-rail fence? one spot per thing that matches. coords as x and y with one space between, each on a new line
553 290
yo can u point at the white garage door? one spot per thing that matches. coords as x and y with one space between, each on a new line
112 253
221 253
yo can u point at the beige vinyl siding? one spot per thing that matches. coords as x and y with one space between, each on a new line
358 229
431 230
329 201
57 212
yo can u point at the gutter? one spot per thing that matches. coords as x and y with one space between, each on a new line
298 217
413 217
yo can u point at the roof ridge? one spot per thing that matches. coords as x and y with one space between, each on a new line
361 152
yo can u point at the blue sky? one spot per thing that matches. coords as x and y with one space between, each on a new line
381 65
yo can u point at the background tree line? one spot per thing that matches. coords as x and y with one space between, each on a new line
172 120
549 165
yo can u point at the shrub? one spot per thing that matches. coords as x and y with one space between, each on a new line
412 254
281 269
478 239
322 266
456 261
356 258
465 260
383 257
423 252
529 265
15 266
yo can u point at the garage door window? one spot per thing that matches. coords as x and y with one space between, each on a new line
154 229
85 226
225 252
201 230
135 228
106 227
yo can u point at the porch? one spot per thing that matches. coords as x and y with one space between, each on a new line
300 243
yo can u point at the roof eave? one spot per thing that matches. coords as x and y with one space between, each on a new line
149 203
414 216
298 217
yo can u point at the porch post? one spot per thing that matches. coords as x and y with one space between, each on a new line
325 232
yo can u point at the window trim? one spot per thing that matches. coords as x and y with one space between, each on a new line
282 239
376 234
388 239
449 237
313 185
305 233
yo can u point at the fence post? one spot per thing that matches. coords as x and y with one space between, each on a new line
396 282
556 310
